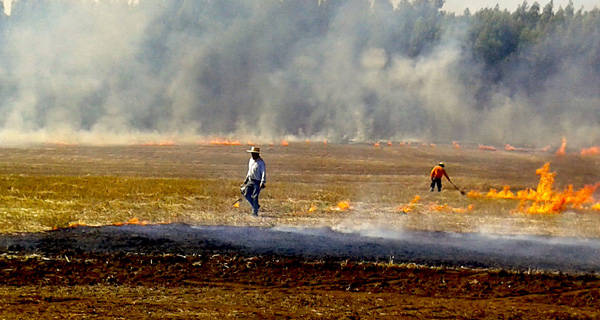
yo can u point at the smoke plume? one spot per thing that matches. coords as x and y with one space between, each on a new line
106 72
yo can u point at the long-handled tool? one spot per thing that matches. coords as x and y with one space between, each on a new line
236 201
461 192
242 191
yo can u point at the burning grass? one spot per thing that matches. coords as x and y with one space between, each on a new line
310 184
544 198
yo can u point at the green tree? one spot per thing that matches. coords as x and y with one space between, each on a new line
494 36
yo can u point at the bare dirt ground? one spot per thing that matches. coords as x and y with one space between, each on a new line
58 280
232 286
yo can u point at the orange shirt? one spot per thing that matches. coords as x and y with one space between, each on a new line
439 172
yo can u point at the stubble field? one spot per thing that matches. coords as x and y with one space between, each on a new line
56 187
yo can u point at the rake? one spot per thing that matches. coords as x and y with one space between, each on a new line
461 192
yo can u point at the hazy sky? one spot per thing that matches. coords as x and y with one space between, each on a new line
459 6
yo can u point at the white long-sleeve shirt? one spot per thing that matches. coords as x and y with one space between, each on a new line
257 170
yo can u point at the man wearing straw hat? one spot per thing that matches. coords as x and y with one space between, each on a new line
255 179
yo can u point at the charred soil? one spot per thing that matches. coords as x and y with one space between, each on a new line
127 277
214 285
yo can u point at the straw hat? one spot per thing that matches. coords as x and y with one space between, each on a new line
254 150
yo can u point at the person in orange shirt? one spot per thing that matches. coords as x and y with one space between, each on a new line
436 176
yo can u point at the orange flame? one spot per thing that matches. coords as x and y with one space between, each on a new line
225 142
446 208
236 205
405 209
409 207
341 206
376 144
504 194
415 199
544 199
310 210
590 151
474 194
508 147
487 148
344 205
74 225
389 143
455 144
284 143
562 148
132 221
467 209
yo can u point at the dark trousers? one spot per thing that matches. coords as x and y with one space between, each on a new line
251 194
436 182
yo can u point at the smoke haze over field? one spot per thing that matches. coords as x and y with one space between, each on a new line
135 71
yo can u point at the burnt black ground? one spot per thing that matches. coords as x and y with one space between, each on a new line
519 253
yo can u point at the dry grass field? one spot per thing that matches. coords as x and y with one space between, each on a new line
56 186
53 186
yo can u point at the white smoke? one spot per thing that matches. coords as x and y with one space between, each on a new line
7 6
120 71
